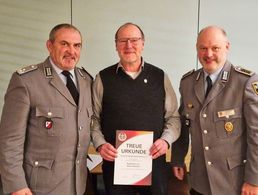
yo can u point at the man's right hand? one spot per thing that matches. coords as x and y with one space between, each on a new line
24 191
179 172
107 151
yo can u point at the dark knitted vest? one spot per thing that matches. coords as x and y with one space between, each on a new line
132 104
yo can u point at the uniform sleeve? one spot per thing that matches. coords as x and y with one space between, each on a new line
97 95
12 135
172 124
180 146
251 118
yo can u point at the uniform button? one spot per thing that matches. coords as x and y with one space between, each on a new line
244 161
209 163
49 114
36 163
204 115
77 161
80 128
79 145
187 115
206 147
80 110
205 131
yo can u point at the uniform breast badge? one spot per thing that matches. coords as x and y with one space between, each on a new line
255 87
229 127
190 105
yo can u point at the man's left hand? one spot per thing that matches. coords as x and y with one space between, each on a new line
249 189
158 148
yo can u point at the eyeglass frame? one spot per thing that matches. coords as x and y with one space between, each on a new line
132 40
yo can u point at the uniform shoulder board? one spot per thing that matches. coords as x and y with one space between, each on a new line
188 73
84 70
243 71
26 69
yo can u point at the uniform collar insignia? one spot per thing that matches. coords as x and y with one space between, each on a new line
80 72
198 75
48 72
225 76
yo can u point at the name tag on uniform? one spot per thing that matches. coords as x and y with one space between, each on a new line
226 113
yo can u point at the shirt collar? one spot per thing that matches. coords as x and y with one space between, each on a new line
119 65
214 76
58 70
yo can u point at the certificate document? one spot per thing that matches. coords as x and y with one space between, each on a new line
133 165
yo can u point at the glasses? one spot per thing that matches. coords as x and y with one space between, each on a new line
124 41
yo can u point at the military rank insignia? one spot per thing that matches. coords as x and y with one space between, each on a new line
255 87
27 69
244 71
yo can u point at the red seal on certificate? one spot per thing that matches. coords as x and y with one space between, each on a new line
122 136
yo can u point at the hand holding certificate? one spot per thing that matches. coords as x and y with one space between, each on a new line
133 165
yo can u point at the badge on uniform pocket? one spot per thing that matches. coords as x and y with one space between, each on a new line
229 127
48 124
48 121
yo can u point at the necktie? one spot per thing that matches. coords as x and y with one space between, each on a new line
71 87
209 85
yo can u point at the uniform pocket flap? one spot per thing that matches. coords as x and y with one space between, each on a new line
40 163
50 112
235 161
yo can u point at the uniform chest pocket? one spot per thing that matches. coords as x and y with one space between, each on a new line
50 120
228 123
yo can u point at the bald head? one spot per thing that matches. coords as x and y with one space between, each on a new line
212 30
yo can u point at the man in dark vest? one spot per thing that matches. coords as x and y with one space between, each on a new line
133 94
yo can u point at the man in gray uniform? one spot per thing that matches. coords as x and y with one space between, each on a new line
45 128
219 108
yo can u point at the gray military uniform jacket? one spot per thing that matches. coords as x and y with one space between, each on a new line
44 135
223 129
